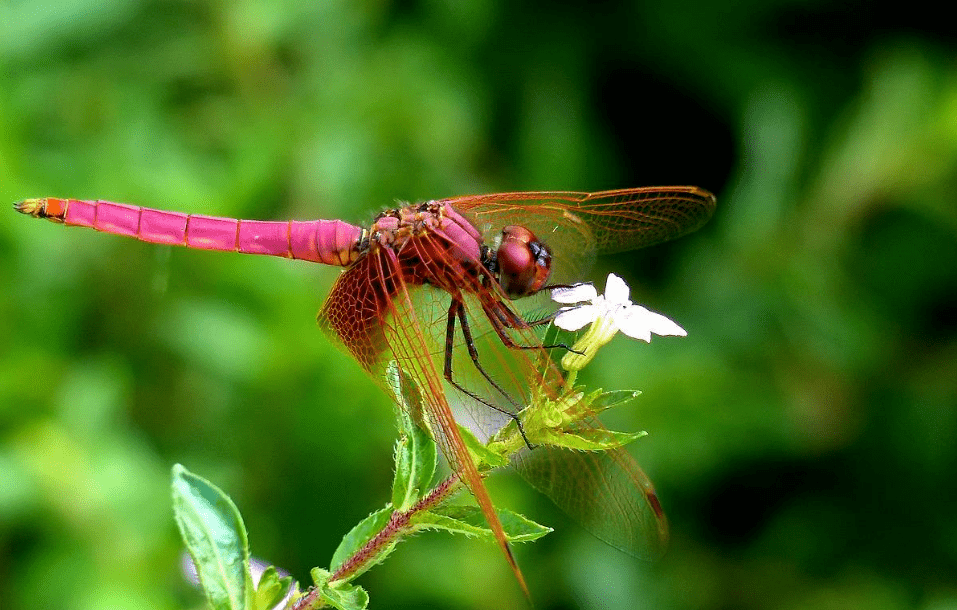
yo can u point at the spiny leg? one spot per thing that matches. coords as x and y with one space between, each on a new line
502 318
457 309
473 352
551 316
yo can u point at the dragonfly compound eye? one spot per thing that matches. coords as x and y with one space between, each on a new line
524 262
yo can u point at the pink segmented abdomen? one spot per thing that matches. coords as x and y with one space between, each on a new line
332 242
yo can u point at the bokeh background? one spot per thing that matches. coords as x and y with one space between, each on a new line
803 438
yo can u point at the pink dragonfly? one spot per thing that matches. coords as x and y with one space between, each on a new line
420 270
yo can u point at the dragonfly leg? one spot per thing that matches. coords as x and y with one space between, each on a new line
457 310
563 346
502 318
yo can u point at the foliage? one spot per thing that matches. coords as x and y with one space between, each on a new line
803 441
216 537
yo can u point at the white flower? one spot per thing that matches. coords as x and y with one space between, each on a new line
607 315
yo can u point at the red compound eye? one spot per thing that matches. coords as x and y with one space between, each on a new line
524 263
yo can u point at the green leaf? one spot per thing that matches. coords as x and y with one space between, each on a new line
342 595
405 391
271 589
588 439
215 537
415 461
415 452
470 521
483 456
358 536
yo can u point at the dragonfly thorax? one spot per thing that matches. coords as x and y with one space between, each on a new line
523 263
432 243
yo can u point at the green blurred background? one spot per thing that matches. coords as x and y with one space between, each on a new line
803 438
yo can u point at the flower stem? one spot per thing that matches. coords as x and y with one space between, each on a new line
570 378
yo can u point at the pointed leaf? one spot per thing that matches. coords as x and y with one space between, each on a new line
415 452
215 537
404 456
342 596
470 521
364 531
415 461
406 393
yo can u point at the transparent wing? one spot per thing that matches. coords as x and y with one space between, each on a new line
371 311
606 492
380 318
577 226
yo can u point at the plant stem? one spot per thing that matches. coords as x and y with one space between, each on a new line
396 526
570 378
393 529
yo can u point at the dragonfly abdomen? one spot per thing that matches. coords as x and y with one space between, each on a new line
332 242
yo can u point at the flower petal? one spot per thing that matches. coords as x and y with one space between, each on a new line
579 293
573 318
616 290
639 323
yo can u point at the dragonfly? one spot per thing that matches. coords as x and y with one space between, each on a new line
419 271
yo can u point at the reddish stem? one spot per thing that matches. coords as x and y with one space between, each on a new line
396 526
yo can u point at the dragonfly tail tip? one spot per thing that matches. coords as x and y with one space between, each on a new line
29 206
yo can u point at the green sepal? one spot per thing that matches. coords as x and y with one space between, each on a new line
557 413
359 535
470 521
485 458
588 439
340 595
271 589
575 405
214 534
555 422
614 398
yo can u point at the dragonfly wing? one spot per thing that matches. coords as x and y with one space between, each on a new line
406 338
353 311
371 310
572 241
605 492
579 225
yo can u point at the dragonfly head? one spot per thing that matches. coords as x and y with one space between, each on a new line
524 263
